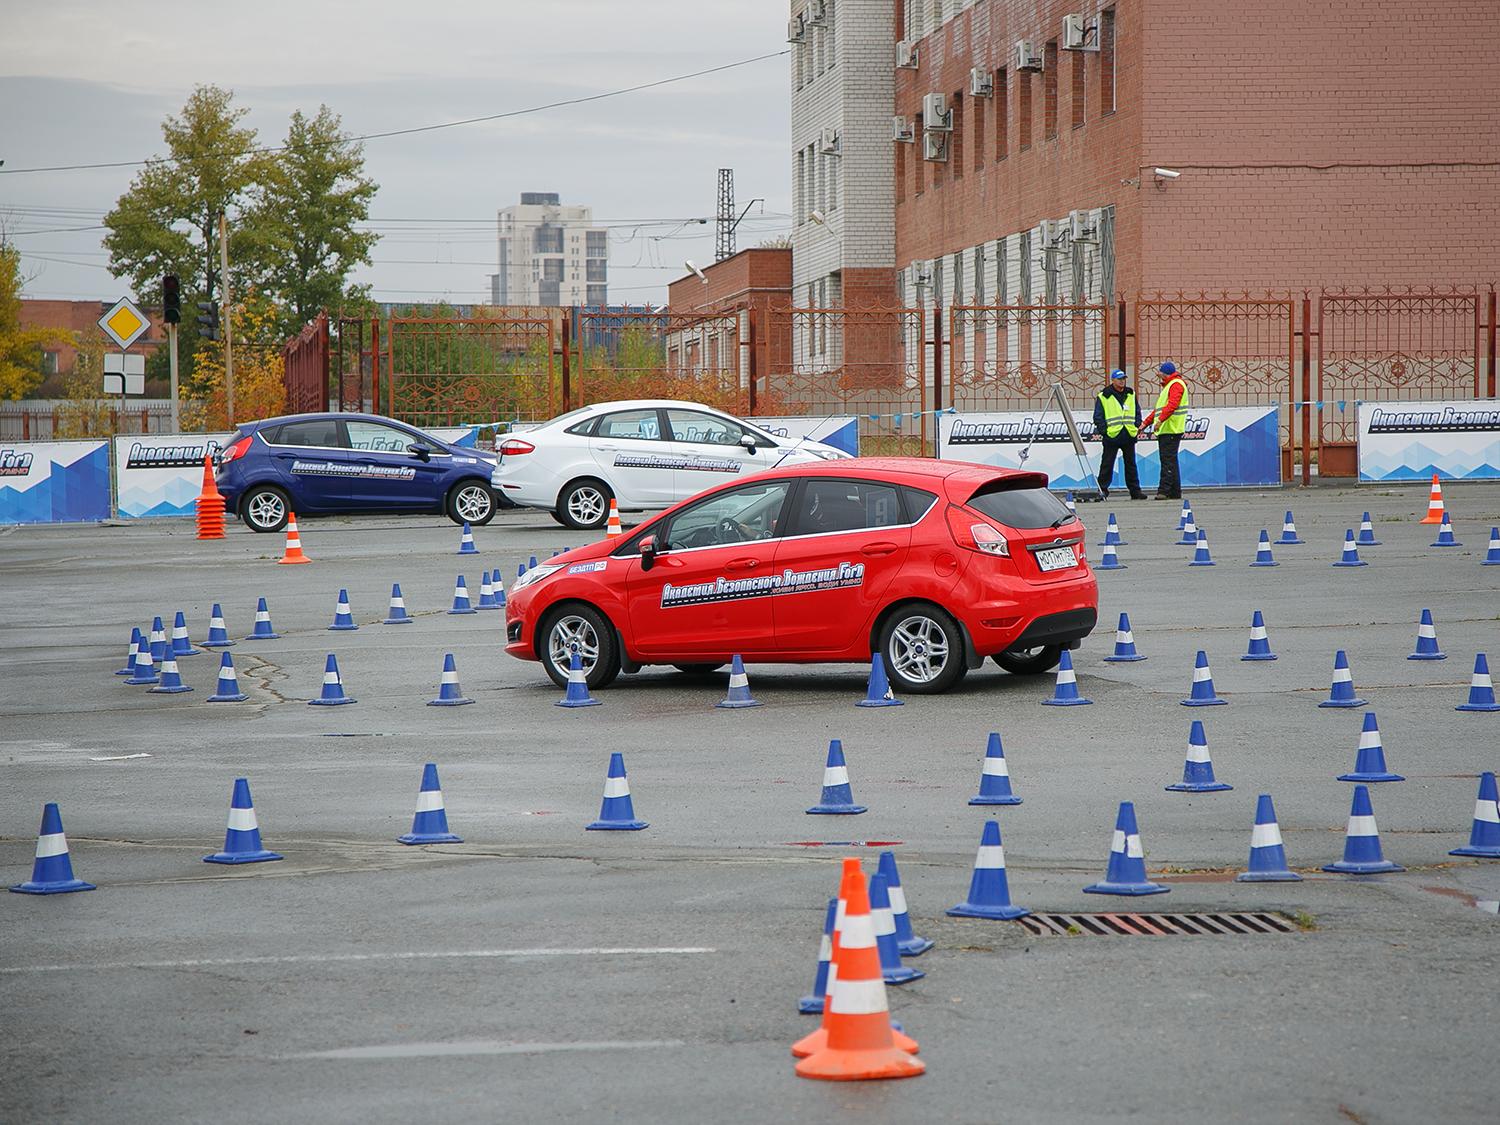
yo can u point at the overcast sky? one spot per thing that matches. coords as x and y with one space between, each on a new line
85 81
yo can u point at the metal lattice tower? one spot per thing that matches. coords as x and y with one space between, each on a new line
724 223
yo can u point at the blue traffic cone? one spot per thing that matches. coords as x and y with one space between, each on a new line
333 687
617 813
218 635
1267 855
1202 693
430 824
1201 556
531 563
1184 515
1362 855
1124 644
52 869
577 694
499 590
1289 532
1367 533
878 691
486 591
1260 643
145 668
520 570
1341 692
262 630
1492 556
449 693
228 689
739 686
1126 873
158 641
1065 693
908 942
838 798
989 889
343 618
466 541
396 614
1445 535
891 968
461 599
242 838
1350 556
135 643
1189 532
1109 559
1112 534
994 777
181 645
1263 556
1427 645
1481 688
171 681
1484 836
1198 770
1369 762
812 1003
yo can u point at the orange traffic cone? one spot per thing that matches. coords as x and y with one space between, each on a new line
293 543
210 505
1434 503
613 530
861 1043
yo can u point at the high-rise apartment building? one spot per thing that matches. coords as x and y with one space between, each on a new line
550 254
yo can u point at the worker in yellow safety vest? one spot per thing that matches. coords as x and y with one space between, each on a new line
1170 419
1117 421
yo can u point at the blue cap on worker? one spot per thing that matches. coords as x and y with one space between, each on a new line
1168 368
1117 374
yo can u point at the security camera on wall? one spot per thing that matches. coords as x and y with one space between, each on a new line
1166 173
703 277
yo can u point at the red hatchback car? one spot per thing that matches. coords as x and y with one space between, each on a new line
934 564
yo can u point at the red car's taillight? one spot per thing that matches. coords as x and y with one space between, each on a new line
514 447
976 535
235 451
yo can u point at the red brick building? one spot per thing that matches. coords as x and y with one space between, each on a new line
82 319
758 279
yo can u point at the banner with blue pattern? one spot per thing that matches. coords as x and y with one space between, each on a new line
54 481
1458 439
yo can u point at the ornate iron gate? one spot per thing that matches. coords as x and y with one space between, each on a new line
1006 357
446 371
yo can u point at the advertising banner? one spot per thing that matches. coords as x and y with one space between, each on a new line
841 432
161 474
54 481
1458 439
1224 446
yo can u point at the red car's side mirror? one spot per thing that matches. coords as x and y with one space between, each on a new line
648 552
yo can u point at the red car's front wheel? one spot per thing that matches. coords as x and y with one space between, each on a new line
584 628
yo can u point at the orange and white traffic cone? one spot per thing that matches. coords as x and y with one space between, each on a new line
1434 503
293 544
613 530
210 505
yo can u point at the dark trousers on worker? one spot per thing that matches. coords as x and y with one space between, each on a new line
1125 446
1170 484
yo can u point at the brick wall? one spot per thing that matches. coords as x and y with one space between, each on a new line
758 278
82 318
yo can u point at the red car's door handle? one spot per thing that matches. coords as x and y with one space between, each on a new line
742 564
874 549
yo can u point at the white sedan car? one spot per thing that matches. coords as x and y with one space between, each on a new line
645 454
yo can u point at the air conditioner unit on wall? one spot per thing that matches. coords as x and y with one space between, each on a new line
828 141
935 115
1080 229
901 129
795 29
935 146
981 83
815 12
906 54
1027 56
1076 34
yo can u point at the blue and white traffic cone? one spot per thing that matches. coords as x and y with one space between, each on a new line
1362 854
1369 762
1126 873
1350 556
486 591
1189 533
333 687
461 599
228 689
1492 556
1445 534
218 635
577 694
1184 515
1367 532
994 777
1068 502
989 889
891 968
1289 532
1267 854
1341 691
145 668
878 691
449 693
396 614
52 869
242 838
1109 559
617 813
158 641
520 570
466 541
135 643
430 824
1112 534
1260 642
343 617
908 942
1124 644
812 1003
1427 644
739 686
1481 688
499 591
171 681
1201 556
1065 693
1263 556
262 630
1198 769
837 798
1484 836
181 645
1202 692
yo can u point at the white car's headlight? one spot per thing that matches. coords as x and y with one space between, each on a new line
534 575
829 454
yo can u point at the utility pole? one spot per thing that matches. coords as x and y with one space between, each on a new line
724 219
227 306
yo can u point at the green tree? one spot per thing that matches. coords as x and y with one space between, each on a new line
20 348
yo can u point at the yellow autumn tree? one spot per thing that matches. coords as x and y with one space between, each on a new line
20 348
259 371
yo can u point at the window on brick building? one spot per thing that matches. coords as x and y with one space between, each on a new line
1002 111
1024 262
799 200
979 274
1049 90
1106 62
833 183
977 112
1076 61
1024 109
1002 277
833 39
956 137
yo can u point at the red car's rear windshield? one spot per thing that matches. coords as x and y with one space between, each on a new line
1019 507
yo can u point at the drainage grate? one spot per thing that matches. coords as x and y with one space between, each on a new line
1159 925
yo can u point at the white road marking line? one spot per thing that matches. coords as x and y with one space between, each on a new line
120 758
481 1047
335 958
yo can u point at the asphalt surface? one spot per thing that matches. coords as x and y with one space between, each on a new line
539 972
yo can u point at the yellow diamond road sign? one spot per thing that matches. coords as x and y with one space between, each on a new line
124 323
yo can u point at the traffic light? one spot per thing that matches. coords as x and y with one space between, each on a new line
208 319
171 299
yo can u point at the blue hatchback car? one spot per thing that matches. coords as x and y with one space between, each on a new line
337 463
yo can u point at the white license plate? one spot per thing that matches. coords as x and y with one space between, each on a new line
1056 558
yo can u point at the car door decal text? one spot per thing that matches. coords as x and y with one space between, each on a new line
676 461
338 469
766 585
